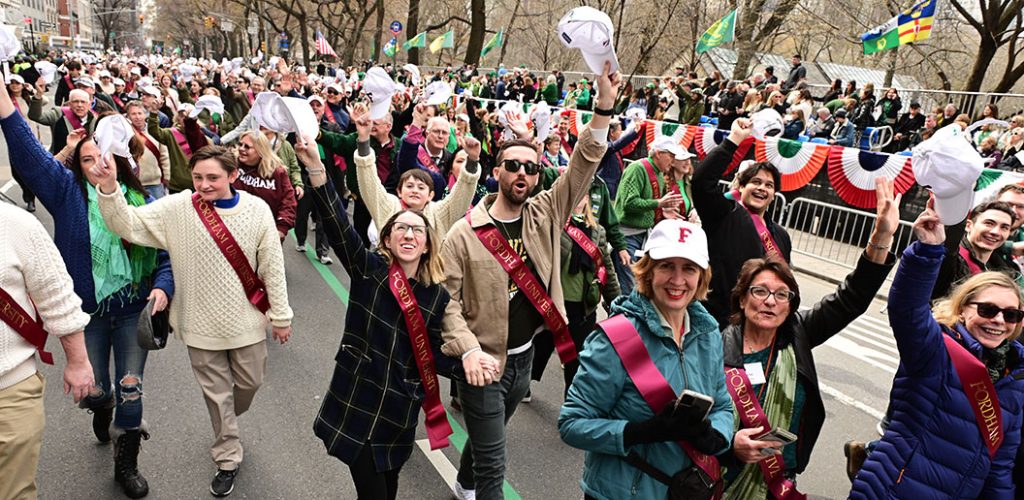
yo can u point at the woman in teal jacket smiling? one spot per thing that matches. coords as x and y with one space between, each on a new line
607 416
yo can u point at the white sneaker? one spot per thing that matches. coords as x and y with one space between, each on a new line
326 260
462 493
300 248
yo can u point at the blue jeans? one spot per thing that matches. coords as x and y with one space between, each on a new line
487 409
117 334
157 191
624 273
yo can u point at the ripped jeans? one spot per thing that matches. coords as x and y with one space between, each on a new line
116 334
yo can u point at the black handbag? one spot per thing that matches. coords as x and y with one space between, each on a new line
691 483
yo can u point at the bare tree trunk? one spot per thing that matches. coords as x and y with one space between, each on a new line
890 70
986 51
378 36
508 32
477 30
412 26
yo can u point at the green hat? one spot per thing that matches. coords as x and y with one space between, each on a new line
651 85
361 75
583 80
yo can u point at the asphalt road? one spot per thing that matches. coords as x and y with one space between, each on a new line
283 460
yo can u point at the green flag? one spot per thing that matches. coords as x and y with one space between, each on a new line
445 41
419 40
723 31
391 47
493 43
884 37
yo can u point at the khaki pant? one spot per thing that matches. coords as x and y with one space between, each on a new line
229 380
21 434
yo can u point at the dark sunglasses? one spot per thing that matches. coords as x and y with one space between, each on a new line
989 311
513 166
332 92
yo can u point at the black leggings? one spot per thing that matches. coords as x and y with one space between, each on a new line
544 343
306 209
370 484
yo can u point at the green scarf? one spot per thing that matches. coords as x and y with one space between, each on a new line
778 405
114 268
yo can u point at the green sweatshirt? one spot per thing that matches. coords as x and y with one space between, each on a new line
600 206
634 202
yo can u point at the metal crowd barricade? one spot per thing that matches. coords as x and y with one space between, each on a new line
836 235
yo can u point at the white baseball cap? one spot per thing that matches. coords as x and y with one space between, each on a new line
84 81
317 98
766 123
112 135
676 238
591 31
12 78
414 71
666 143
948 165
47 70
379 87
636 114
437 93
151 90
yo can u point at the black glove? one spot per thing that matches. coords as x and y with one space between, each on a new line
668 425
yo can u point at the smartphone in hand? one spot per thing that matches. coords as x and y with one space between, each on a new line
692 399
778 435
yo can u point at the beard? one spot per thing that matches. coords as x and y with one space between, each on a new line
508 191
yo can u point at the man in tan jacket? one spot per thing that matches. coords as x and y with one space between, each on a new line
489 323
155 162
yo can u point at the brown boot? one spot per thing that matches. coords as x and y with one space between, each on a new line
856 454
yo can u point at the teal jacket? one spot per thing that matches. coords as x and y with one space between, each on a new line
602 399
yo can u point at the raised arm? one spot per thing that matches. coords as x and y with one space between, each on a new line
349 247
853 297
378 201
918 335
53 183
586 157
454 206
707 195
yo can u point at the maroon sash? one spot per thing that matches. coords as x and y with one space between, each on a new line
771 250
652 384
330 115
652 177
182 142
250 96
255 290
20 321
498 246
980 392
590 247
438 428
149 144
75 122
971 264
117 100
752 415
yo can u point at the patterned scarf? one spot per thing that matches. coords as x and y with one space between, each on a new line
113 266
995 360
778 405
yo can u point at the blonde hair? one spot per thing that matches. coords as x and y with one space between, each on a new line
947 311
269 161
431 268
643 274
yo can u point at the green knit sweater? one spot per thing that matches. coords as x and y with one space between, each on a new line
634 202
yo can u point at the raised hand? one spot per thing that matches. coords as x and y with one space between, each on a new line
105 174
607 82
928 228
472 147
362 121
887 220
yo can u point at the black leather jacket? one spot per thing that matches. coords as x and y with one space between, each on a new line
806 330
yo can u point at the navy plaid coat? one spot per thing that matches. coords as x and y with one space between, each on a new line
375 394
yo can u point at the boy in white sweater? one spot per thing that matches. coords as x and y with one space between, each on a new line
32 272
211 314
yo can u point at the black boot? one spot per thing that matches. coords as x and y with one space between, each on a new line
101 419
126 462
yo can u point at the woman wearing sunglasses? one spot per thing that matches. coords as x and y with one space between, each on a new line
956 400
769 364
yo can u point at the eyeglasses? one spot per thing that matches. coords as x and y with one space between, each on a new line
762 293
989 311
513 166
403 228
245 146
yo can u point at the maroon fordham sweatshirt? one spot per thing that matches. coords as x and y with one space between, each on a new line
276 190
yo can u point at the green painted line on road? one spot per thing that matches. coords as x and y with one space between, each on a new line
459 436
327 275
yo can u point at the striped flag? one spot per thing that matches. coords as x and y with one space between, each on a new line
322 47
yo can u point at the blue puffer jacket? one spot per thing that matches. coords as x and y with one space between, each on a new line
933 448
602 399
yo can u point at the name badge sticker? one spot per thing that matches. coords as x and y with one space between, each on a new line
756 373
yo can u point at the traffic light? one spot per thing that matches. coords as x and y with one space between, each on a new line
208 22
142 19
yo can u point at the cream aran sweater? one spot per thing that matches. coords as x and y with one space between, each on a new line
382 205
210 310
31 267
